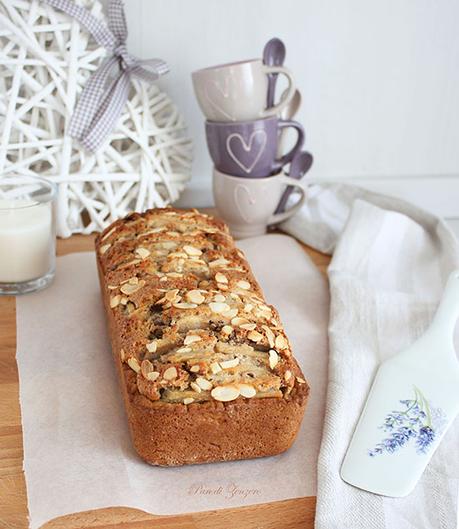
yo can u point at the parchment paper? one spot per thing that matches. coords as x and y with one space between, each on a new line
77 451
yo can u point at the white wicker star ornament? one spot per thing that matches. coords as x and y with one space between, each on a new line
46 57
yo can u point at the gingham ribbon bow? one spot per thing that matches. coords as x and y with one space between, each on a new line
104 97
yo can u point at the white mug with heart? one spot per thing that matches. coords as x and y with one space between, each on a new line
247 205
238 91
249 148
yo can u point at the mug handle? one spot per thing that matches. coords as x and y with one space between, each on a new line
284 124
288 93
280 217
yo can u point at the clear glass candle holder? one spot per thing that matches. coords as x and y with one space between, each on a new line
27 234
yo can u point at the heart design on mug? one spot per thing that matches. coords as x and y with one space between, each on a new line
213 91
244 201
236 138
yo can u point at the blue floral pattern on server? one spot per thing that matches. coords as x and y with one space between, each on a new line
417 423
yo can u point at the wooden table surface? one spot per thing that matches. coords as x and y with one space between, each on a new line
290 514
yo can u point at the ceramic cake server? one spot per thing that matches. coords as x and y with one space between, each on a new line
412 402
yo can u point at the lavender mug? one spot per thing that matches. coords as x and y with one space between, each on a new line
249 148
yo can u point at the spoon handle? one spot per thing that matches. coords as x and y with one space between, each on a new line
272 79
283 201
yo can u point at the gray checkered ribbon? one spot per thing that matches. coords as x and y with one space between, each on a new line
104 96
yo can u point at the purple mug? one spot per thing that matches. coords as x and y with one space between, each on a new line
249 148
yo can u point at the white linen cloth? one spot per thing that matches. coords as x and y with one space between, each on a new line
390 263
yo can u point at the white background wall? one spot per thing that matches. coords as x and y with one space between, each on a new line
380 82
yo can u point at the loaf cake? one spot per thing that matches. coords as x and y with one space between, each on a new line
206 369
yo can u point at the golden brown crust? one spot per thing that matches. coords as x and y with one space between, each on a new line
176 292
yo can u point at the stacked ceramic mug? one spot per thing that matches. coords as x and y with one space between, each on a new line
244 138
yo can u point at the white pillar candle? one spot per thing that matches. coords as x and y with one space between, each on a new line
26 240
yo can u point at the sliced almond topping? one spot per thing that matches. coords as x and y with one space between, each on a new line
245 285
170 373
203 383
248 307
227 329
225 393
247 391
173 233
143 253
184 305
133 363
219 298
269 335
273 358
228 364
194 296
300 380
146 367
184 350
188 400
239 321
219 262
195 368
154 230
164 278
152 346
195 387
218 307
154 375
230 313
215 367
127 265
124 301
122 355
191 338
221 278
264 308
288 375
112 287
129 288
172 294
168 245
248 326
104 248
281 342
254 336
109 233
115 301
178 255
174 274
191 250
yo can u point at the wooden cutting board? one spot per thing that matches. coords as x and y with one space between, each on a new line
290 514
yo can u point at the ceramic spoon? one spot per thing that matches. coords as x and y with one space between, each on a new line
299 166
273 55
412 402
